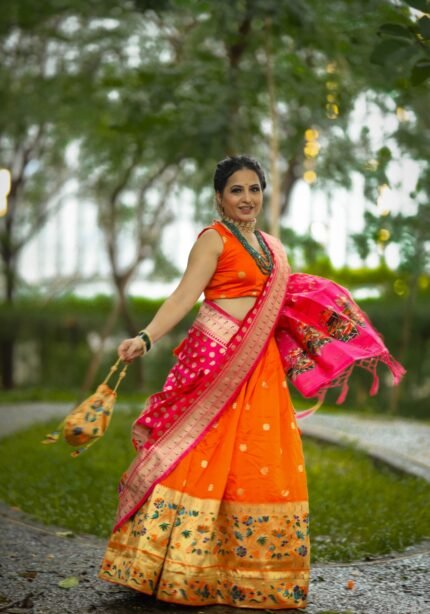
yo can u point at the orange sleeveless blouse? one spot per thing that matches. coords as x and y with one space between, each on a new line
237 273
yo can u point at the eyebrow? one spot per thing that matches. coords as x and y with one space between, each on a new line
238 185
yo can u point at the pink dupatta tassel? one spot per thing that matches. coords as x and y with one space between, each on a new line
322 334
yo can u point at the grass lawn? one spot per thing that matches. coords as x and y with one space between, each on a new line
357 509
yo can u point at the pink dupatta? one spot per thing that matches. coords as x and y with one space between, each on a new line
322 334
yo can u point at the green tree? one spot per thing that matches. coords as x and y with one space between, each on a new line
259 76
48 64
155 92
32 147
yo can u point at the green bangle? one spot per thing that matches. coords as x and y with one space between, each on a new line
144 335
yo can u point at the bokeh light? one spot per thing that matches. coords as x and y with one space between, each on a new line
310 176
384 235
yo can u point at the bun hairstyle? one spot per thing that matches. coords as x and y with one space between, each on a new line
225 168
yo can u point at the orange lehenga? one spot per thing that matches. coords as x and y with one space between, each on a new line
217 511
230 523
214 507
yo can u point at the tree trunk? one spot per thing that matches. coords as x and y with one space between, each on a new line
275 196
289 181
7 355
7 349
132 329
235 53
124 309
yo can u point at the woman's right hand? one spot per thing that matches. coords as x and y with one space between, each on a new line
129 349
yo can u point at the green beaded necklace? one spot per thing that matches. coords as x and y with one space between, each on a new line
264 261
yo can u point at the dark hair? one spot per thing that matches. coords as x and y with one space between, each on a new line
225 168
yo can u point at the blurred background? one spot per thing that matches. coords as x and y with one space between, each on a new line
113 116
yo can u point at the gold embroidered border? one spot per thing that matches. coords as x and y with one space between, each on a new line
197 552
215 325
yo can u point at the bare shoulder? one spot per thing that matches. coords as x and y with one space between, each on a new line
209 240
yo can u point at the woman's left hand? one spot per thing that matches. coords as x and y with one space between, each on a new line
130 349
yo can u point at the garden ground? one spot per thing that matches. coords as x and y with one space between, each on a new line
38 558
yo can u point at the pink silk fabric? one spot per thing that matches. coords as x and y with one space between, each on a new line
200 354
322 333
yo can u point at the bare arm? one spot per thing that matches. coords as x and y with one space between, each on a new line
202 263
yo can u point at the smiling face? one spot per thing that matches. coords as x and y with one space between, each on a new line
242 197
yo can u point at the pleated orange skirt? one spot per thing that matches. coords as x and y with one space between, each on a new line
230 523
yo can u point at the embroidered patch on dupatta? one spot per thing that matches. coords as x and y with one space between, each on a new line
322 334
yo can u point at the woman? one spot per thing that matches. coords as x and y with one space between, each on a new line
214 508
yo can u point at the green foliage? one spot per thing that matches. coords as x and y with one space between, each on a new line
409 232
420 5
404 49
357 510
58 333
193 89
301 249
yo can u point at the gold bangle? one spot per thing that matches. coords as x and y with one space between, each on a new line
144 350
146 338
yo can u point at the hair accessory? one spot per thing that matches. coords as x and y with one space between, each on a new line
88 422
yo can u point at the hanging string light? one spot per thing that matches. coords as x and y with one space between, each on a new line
311 150
332 96
384 235
402 114
381 202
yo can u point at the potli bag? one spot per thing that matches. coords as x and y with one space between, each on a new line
88 422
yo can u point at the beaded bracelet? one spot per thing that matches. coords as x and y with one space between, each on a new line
144 335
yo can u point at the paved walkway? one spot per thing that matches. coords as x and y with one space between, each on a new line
35 558
17 416
404 444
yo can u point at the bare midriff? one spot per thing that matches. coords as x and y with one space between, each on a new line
236 307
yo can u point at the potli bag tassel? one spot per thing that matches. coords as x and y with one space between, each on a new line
88 422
